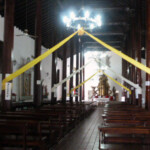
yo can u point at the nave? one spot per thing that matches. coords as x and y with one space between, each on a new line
57 58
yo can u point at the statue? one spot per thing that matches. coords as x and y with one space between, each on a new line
94 92
114 92
103 86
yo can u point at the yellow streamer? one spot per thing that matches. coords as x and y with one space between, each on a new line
127 58
37 60
93 76
83 82
118 83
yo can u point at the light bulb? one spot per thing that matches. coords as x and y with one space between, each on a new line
92 26
98 17
87 14
72 15
66 19
79 26
68 24
98 20
99 23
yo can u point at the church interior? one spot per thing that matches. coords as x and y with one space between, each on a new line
74 75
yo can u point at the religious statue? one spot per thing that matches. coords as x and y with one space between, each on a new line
25 79
103 86
94 92
114 91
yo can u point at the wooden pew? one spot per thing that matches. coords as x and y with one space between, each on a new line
136 131
21 134
123 123
126 122
44 126
48 128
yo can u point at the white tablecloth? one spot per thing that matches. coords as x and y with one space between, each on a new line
103 100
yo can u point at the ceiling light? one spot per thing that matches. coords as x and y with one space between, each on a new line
87 14
98 18
66 19
79 26
99 23
68 24
75 21
72 15
92 26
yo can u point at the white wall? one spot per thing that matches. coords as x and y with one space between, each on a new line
23 49
115 63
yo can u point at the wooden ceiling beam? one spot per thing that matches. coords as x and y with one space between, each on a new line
100 48
98 8
109 42
115 24
107 34
90 47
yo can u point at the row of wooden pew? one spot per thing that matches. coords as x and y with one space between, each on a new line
39 128
124 124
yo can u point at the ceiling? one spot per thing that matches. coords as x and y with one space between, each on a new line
116 19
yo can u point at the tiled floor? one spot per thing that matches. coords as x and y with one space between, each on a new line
85 136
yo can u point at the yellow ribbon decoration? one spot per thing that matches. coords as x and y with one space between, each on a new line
93 76
117 82
36 60
127 58
83 82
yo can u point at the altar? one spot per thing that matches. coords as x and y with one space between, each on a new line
102 93
102 100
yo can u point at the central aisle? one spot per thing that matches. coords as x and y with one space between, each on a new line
85 136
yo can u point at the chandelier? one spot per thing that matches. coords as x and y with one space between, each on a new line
86 21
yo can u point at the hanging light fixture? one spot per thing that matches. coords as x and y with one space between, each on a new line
73 21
